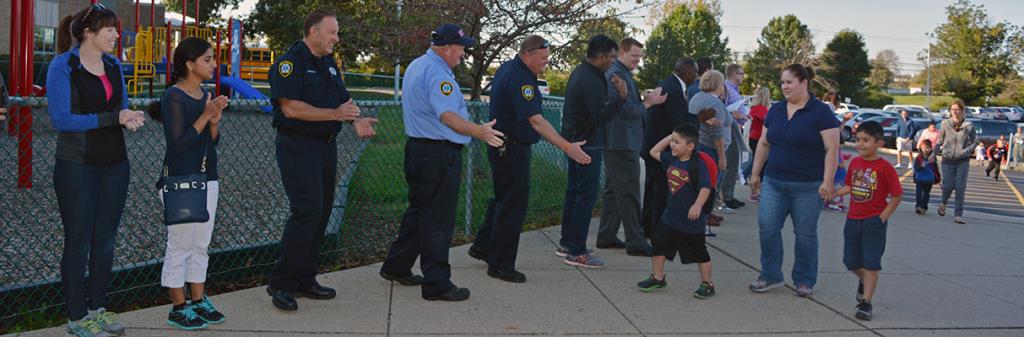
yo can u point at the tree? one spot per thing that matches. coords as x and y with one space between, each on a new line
574 50
883 69
209 10
691 29
977 57
844 63
784 41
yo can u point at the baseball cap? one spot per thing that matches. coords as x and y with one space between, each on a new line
450 34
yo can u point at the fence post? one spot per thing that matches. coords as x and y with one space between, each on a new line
468 170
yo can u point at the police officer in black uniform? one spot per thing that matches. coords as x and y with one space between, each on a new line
310 105
516 104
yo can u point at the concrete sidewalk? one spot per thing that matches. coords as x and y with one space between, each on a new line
939 279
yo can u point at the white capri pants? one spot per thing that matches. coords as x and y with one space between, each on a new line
186 258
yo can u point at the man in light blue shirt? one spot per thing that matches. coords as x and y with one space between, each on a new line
438 126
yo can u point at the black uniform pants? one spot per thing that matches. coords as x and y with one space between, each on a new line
655 196
432 171
499 235
308 172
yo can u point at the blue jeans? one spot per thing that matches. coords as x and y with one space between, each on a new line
954 178
580 196
801 202
91 200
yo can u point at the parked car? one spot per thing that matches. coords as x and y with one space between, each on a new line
847 133
987 131
995 113
543 86
1011 114
889 127
846 107
977 112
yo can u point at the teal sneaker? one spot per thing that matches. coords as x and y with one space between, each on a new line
87 327
205 309
651 283
185 319
704 291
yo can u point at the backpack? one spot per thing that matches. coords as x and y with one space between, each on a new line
924 173
694 166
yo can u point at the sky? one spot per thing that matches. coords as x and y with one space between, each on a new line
899 25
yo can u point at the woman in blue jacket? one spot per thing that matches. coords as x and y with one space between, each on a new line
88 107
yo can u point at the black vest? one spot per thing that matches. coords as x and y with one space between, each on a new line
103 146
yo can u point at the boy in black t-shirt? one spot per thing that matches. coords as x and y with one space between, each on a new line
691 177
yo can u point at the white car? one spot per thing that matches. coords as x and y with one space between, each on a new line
977 112
543 86
846 107
1012 114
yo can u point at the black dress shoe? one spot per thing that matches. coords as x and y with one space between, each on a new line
734 204
454 295
282 299
408 280
638 252
508 276
617 244
316 292
478 254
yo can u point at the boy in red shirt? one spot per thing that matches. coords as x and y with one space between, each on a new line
875 192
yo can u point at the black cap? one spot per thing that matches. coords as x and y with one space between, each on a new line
450 34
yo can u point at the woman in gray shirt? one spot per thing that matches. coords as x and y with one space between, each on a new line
714 134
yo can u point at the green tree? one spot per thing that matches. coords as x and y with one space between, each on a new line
784 41
209 10
691 29
844 63
574 51
978 57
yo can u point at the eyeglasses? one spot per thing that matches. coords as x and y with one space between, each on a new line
95 6
543 45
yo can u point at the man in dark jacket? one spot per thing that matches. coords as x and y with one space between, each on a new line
661 119
587 107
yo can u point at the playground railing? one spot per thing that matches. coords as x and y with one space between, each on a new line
252 208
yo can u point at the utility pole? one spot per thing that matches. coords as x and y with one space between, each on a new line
928 84
398 60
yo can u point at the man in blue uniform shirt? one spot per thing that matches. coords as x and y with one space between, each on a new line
516 105
310 104
438 126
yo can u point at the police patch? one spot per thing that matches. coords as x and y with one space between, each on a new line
285 68
528 92
334 72
447 88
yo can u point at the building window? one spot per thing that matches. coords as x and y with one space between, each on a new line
46 41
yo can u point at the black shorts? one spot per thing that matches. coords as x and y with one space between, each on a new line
691 248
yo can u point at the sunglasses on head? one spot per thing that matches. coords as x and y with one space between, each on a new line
543 45
96 6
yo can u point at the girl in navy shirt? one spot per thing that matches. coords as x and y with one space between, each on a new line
191 118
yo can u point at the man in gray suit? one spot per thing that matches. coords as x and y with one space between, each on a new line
624 140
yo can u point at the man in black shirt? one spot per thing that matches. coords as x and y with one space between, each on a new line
587 108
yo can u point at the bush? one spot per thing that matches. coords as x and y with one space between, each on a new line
876 99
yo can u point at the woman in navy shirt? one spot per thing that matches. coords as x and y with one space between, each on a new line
191 117
88 106
799 149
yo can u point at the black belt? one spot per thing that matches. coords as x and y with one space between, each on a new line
436 142
326 138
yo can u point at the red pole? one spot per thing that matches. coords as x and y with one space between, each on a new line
216 53
167 54
12 76
137 24
184 16
197 14
152 14
25 118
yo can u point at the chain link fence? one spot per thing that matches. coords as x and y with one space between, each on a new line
252 209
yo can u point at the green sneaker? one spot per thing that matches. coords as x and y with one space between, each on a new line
651 283
706 290
108 322
87 327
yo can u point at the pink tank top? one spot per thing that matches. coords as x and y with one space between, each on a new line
107 87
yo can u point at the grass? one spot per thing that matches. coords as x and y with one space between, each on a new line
937 102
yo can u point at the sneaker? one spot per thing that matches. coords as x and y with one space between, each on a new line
919 210
761 285
87 327
651 283
724 209
941 210
754 198
864 310
205 309
959 220
860 291
706 290
561 251
734 204
803 291
586 261
185 319
834 208
108 322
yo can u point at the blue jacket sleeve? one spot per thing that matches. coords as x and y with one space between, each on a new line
58 95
